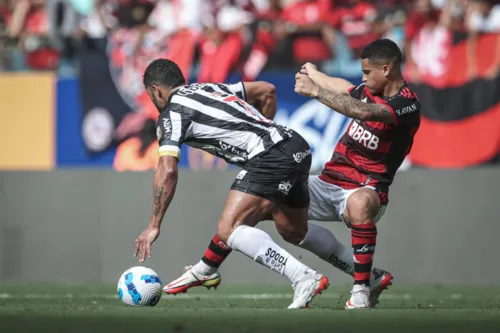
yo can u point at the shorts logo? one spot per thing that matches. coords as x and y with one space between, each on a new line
241 174
298 157
285 186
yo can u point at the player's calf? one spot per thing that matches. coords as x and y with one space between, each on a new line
362 206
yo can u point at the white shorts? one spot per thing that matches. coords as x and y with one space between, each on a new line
328 201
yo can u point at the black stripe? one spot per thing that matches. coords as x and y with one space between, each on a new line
456 103
227 107
360 229
362 268
204 119
218 250
210 262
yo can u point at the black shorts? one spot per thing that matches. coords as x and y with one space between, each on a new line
279 174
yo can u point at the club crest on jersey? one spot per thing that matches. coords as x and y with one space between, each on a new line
363 136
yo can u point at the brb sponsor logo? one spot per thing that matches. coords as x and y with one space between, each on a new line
299 157
363 136
275 260
285 186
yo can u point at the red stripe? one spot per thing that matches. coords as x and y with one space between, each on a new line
361 161
362 241
220 243
213 257
364 258
362 276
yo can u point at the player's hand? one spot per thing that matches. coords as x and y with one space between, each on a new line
144 241
308 68
305 86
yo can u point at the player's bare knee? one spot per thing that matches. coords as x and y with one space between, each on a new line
362 206
292 234
225 228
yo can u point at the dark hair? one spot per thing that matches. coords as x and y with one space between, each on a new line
163 72
382 50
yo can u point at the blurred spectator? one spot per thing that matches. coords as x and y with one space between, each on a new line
138 153
355 21
28 28
222 44
483 16
305 22
428 39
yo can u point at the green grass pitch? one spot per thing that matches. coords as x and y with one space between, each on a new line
247 309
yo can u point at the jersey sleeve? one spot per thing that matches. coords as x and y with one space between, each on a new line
405 110
238 89
356 91
171 131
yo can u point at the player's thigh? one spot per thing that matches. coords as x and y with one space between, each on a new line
362 206
326 200
242 208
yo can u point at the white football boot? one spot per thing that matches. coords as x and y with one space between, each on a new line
306 289
360 298
191 279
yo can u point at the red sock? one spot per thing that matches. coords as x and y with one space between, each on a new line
364 238
216 253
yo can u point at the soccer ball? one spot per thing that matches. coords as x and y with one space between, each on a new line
140 286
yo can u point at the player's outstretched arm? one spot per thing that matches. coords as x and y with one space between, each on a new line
165 183
262 95
341 103
354 108
326 82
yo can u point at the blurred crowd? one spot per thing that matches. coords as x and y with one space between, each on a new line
211 38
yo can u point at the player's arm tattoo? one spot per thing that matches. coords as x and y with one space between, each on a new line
354 108
165 183
157 200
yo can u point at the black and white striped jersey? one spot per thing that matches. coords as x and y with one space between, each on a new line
217 119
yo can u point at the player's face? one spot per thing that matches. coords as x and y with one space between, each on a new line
374 76
156 95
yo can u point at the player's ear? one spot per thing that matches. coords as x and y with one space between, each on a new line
386 70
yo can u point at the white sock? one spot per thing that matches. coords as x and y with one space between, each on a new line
259 246
203 269
323 243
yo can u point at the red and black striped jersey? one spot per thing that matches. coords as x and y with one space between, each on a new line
370 152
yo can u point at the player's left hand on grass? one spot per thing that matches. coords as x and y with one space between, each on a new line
305 86
144 242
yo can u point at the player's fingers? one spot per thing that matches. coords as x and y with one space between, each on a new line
148 251
137 247
142 252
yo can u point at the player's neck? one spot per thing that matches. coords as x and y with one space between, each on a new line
393 87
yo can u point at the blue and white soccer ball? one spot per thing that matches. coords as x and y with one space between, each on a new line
140 286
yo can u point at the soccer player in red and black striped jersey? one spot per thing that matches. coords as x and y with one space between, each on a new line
386 116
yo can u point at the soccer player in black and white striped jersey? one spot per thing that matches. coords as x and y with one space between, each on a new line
221 120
